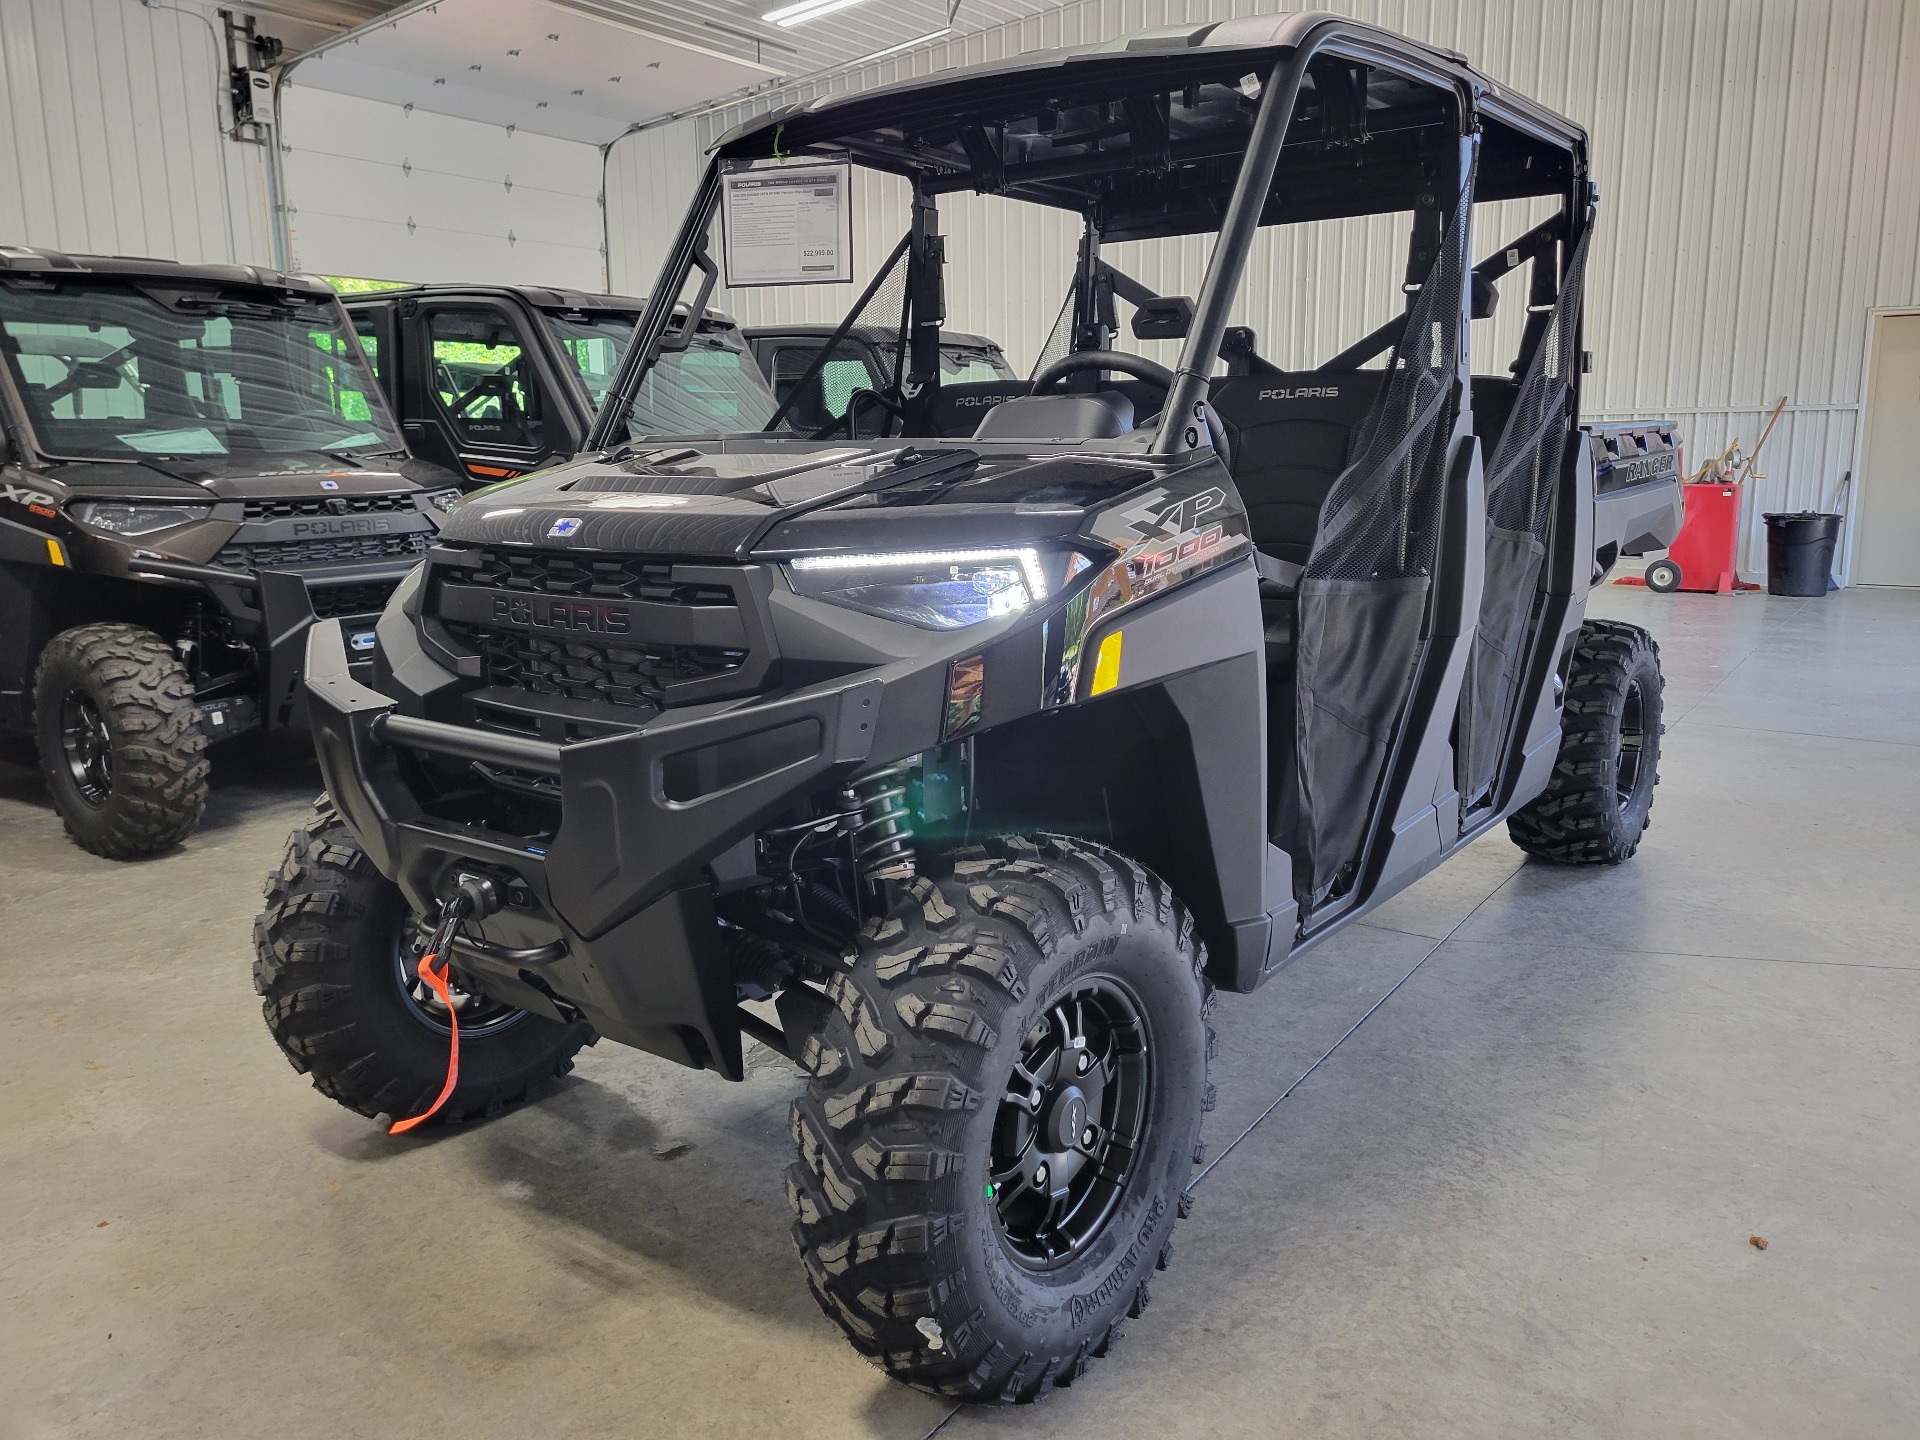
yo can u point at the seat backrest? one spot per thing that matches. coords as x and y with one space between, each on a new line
1103 415
1290 435
959 409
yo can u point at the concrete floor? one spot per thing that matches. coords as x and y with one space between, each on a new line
1515 1201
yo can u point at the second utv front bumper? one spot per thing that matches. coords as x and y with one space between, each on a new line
614 922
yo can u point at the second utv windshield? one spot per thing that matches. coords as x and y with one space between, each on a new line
711 386
119 370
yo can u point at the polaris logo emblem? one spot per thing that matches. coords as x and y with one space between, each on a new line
563 527
361 640
1304 392
974 402
590 617
329 484
352 525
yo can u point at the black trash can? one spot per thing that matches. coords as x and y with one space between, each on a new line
1800 552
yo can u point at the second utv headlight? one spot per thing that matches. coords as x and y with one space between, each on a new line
136 517
937 589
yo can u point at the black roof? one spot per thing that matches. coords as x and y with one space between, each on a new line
541 297
544 297
1146 130
17 260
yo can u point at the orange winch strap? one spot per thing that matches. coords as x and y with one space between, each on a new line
437 980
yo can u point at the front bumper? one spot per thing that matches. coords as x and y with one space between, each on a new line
281 607
617 923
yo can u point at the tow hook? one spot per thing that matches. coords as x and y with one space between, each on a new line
474 897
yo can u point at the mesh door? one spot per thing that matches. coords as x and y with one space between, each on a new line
1520 484
1363 597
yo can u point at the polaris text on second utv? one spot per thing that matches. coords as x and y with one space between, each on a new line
964 770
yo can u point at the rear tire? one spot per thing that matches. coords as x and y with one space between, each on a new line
121 746
1596 807
958 1283
331 951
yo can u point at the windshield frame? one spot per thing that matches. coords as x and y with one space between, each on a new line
346 351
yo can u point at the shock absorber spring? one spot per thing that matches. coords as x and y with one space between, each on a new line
883 836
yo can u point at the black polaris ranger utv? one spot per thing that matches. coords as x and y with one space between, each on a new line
195 467
498 380
990 759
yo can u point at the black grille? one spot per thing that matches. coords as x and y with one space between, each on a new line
629 674
330 602
584 575
329 505
322 552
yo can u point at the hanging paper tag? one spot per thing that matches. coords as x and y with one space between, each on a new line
787 222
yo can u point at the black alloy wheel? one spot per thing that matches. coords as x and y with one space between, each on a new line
87 747
1632 744
1071 1123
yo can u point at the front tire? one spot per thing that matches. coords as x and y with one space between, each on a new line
333 964
1003 1118
121 748
1595 809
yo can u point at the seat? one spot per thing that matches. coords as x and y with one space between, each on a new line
1102 415
1290 435
958 409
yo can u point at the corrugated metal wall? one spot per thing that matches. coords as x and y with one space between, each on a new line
115 141
1756 165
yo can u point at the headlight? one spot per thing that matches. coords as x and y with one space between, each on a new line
135 518
937 589
442 500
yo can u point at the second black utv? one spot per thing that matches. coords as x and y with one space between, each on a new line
494 381
988 760
195 466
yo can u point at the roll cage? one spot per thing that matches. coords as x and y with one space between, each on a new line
1222 128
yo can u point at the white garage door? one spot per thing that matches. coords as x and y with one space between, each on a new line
387 192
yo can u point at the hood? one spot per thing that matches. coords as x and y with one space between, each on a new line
260 477
723 504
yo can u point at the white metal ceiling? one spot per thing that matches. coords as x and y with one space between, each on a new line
591 69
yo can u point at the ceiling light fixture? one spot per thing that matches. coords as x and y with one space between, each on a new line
805 10
926 39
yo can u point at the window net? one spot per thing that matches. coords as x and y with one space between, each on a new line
1362 599
1520 482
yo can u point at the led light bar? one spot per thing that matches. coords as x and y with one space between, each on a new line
1027 557
789 15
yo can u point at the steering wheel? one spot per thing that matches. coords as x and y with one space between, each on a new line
850 422
1140 368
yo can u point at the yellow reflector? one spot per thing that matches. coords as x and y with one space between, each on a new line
54 552
1106 667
